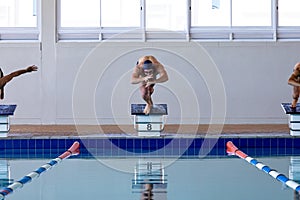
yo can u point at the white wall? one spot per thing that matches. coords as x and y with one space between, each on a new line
254 77
243 82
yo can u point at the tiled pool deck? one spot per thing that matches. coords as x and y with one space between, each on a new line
110 141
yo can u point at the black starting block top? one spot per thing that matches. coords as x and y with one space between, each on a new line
7 109
289 110
157 109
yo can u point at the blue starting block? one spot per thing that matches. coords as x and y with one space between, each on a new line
294 118
152 124
5 111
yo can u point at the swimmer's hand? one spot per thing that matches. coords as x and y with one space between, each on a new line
32 68
150 83
148 78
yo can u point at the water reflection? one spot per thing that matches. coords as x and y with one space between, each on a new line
5 179
150 180
294 173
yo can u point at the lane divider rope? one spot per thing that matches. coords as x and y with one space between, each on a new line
231 149
73 150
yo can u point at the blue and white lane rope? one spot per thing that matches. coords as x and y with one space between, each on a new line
73 150
233 150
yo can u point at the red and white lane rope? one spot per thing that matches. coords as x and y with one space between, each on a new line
233 150
73 150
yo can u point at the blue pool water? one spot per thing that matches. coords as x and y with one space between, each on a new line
176 168
89 179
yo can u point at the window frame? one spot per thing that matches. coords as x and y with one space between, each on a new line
194 33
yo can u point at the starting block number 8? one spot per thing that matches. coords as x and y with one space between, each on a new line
153 123
149 127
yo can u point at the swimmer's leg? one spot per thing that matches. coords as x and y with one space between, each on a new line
296 91
146 93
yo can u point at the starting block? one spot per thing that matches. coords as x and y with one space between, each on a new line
5 111
152 124
294 118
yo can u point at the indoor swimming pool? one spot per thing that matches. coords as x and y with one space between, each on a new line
164 168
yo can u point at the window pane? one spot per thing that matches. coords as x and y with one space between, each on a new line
14 13
210 13
288 13
80 13
251 12
166 15
120 13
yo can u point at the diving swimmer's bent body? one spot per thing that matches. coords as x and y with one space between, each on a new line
147 73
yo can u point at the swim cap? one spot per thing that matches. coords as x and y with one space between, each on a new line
148 65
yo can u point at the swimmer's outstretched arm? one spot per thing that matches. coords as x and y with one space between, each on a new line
9 77
22 71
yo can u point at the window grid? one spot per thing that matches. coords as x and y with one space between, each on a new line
198 33
273 32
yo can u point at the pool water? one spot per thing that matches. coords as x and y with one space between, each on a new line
226 178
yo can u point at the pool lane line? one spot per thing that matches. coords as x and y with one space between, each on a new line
73 150
233 150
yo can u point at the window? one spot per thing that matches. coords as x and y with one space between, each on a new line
98 19
251 12
142 20
288 13
78 13
18 13
18 20
166 15
120 13
119 19
244 13
210 13
231 20
96 13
